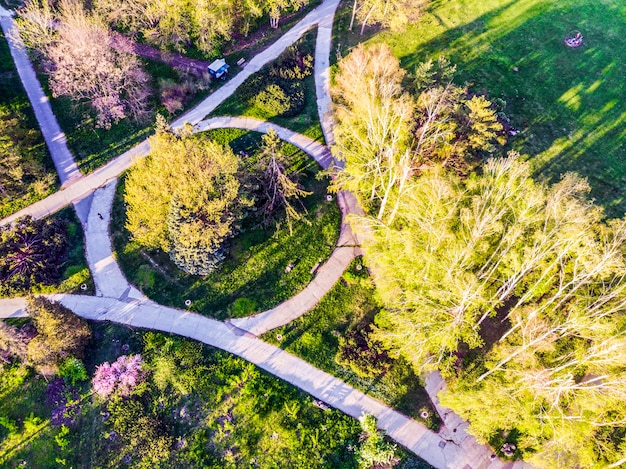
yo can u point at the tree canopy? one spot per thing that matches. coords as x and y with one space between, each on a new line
386 135
184 198
514 289
76 47
60 334
32 252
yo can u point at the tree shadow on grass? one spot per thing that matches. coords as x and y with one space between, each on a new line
567 103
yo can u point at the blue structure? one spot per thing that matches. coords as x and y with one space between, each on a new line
218 68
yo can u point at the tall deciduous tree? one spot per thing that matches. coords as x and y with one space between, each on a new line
82 64
374 125
540 258
280 186
386 136
60 334
191 180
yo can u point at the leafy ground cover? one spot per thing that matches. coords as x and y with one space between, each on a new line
254 277
567 103
41 179
319 335
212 410
305 122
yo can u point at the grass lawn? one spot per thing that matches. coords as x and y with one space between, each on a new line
343 39
13 98
567 103
315 338
75 269
253 277
235 416
306 122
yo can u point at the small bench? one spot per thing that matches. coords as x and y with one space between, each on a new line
241 61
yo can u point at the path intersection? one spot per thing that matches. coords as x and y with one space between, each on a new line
118 301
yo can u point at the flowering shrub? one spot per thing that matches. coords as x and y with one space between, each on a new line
120 376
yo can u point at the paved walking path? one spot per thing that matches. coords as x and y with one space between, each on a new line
55 139
428 445
116 300
80 188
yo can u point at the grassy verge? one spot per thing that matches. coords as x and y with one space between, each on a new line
254 277
235 416
567 103
13 98
315 338
344 39
306 122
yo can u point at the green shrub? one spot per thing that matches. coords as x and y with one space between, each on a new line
284 99
243 307
73 371
145 276
360 352
23 245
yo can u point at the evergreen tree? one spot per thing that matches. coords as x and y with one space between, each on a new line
185 198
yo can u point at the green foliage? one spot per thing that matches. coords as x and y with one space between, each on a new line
258 255
32 252
9 425
362 353
144 438
193 258
386 136
540 261
184 199
374 451
60 334
73 371
175 363
284 101
243 307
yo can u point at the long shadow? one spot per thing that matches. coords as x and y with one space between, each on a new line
568 103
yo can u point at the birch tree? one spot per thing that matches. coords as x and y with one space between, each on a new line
374 118
388 13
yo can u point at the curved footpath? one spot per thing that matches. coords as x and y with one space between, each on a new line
79 188
116 300
146 314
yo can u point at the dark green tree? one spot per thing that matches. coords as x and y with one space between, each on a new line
32 252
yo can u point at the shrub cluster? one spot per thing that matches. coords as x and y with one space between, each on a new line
279 90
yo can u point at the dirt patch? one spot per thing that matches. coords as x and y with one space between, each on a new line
173 59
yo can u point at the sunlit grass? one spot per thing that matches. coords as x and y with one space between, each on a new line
568 103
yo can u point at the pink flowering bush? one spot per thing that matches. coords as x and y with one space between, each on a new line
121 376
